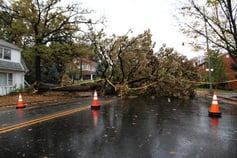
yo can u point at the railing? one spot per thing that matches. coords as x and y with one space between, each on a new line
4 90
26 83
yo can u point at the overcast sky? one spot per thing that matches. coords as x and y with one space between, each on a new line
140 15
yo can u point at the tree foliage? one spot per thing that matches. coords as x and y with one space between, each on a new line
46 31
218 66
37 22
220 17
218 69
131 66
50 31
176 76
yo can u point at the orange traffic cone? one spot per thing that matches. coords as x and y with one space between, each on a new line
214 109
95 103
20 103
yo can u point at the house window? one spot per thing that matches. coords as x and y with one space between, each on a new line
93 68
7 54
1 53
85 67
10 79
6 79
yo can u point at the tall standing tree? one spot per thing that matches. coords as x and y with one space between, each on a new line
39 23
220 17
218 65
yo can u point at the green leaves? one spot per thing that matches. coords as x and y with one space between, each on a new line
36 22
220 19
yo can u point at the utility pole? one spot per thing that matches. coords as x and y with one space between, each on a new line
208 56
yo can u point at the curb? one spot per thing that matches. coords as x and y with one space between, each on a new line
43 103
221 98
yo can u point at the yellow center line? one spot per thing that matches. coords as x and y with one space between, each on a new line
46 118
42 119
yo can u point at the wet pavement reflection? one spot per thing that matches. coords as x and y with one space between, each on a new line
138 127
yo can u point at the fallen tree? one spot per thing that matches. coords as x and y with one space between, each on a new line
41 87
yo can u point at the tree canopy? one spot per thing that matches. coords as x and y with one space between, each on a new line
45 29
50 35
39 22
220 17
132 67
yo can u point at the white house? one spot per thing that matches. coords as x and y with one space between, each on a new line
12 68
86 67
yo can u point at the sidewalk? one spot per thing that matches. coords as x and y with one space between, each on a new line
39 99
225 97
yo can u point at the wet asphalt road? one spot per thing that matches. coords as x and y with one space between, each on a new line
131 128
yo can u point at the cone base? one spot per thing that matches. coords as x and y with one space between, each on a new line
214 114
95 107
19 107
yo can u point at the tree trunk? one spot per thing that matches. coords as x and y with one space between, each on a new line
37 68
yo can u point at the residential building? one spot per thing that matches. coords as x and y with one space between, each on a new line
12 68
86 69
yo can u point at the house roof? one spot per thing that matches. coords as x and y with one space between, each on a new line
9 45
87 61
6 65
24 65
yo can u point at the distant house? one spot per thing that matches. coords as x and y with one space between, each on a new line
86 69
12 68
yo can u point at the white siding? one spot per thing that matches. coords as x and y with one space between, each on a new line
15 56
18 78
18 82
